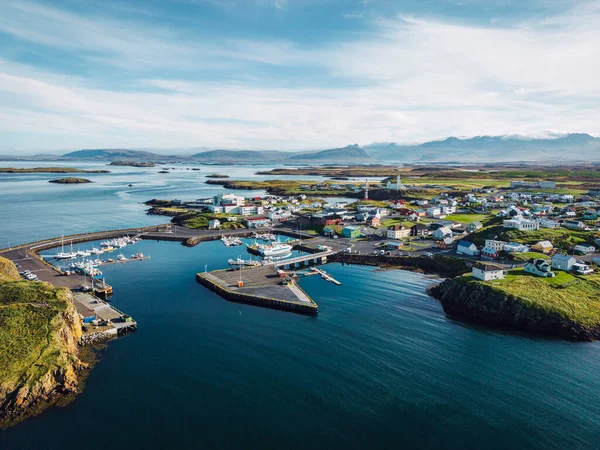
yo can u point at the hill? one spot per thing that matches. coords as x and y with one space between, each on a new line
575 146
113 154
233 156
350 153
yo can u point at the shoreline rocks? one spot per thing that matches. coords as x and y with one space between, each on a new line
483 303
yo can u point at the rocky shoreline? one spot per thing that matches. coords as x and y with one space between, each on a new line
35 391
484 303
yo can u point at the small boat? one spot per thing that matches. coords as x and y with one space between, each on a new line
137 256
121 257
239 262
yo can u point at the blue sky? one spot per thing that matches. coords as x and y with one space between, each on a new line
292 74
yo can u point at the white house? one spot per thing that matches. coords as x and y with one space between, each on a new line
539 267
214 224
434 211
585 249
516 247
257 222
582 269
549 223
398 232
487 272
467 248
563 262
496 245
519 223
441 232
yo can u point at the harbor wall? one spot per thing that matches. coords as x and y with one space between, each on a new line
257 300
442 265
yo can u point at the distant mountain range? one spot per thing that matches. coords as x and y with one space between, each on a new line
480 149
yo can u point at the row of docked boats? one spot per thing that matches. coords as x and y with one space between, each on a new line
231 241
265 237
105 247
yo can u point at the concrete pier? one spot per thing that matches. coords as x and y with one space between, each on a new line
262 286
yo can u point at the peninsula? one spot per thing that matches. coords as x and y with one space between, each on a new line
39 355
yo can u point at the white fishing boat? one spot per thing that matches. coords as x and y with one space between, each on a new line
96 251
121 257
277 249
239 262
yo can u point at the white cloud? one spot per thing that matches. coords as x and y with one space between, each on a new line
417 79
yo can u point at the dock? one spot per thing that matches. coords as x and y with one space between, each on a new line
261 286
102 321
326 276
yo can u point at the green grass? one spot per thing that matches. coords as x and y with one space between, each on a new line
561 238
573 297
468 218
30 318
528 255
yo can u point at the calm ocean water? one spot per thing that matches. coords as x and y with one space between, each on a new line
380 367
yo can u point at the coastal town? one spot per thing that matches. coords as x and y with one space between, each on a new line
521 225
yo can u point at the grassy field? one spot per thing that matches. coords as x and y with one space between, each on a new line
468 218
528 255
573 297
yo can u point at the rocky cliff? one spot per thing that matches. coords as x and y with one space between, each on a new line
476 300
39 353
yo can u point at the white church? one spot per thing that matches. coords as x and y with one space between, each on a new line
397 186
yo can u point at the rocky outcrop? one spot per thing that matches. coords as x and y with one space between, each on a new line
71 180
482 302
53 376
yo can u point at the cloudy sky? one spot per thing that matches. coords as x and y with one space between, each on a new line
288 74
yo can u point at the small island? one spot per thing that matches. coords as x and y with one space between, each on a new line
71 180
133 163
49 170
216 175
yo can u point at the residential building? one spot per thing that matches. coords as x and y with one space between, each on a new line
447 242
441 232
574 225
490 253
257 222
473 226
539 267
398 232
563 262
419 230
467 248
543 247
374 221
581 268
520 223
214 224
515 247
487 272
434 211
585 248
549 223
351 232
496 245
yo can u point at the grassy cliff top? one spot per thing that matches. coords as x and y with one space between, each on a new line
574 297
8 271
33 319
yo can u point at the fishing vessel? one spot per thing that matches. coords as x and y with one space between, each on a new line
239 262
277 249
231 241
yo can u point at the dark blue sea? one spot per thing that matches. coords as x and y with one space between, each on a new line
380 367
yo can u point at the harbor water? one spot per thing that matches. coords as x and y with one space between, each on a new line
380 367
